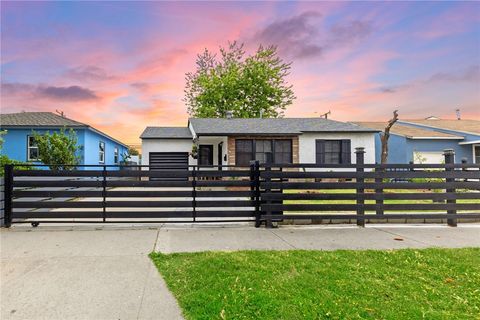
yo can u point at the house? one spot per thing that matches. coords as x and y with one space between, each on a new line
96 147
423 141
232 141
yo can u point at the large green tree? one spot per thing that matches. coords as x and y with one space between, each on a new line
58 150
249 86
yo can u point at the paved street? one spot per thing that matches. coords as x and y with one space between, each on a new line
103 271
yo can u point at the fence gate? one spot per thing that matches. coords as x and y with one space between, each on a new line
105 194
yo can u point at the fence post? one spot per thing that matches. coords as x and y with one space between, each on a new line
104 193
379 192
269 212
449 155
7 218
255 189
464 169
360 153
194 194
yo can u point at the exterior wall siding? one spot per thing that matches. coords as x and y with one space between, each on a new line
92 140
307 144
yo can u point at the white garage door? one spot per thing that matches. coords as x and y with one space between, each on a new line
428 157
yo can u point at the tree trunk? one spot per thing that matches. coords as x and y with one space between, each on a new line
384 137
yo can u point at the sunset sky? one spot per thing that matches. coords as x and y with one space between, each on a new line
120 66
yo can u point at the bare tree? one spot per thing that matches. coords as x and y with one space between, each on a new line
385 135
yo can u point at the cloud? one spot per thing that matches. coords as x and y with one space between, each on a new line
352 31
295 37
70 93
470 74
88 73
301 37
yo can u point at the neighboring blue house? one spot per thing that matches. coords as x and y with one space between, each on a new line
96 147
423 141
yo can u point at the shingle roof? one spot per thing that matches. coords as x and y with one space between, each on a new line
166 133
467 126
269 126
408 131
38 119
47 120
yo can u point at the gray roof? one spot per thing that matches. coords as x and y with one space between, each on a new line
45 120
269 126
37 119
166 133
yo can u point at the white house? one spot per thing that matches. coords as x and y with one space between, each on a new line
231 141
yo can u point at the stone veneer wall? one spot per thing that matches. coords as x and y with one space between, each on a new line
231 145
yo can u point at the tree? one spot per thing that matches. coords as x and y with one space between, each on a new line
58 150
385 135
250 87
132 151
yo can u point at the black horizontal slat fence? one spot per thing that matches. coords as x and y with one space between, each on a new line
260 193
201 194
362 192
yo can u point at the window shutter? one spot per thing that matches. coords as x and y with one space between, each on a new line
346 151
320 151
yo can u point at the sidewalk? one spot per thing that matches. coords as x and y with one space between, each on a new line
103 272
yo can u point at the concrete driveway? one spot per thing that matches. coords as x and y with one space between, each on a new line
103 271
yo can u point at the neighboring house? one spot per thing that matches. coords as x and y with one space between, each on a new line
230 141
95 147
423 141
468 148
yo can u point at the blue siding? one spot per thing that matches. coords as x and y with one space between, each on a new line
396 149
401 149
15 145
92 155
461 151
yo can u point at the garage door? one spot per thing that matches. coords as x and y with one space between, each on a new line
168 161
428 157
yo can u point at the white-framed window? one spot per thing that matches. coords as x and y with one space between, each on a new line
101 152
32 149
115 155
476 150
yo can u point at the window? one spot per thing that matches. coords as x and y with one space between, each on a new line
477 154
32 149
115 155
101 152
283 151
205 155
333 151
243 152
263 150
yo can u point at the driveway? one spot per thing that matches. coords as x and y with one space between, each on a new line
103 271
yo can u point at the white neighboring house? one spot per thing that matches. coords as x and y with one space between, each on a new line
231 141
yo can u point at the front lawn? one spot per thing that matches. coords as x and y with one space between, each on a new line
396 284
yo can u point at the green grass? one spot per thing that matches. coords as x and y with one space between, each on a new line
395 284
332 191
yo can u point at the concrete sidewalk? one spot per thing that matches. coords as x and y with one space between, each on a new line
84 274
196 238
103 271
